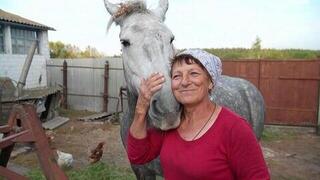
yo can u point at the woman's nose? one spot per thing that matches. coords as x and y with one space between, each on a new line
185 81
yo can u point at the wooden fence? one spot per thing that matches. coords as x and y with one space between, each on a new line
290 88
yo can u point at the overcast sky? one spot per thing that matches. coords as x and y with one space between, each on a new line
195 23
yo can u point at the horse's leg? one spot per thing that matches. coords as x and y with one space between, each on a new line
143 173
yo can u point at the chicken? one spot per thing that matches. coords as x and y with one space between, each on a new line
50 136
96 153
64 159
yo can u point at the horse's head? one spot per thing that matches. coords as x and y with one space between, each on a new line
147 48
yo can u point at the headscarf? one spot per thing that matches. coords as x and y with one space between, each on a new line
211 62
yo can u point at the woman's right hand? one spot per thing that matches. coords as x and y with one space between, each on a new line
148 88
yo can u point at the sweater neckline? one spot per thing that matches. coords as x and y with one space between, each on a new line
205 134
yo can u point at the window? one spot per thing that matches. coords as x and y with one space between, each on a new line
1 39
22 40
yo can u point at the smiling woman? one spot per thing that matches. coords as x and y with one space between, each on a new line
211 142
190 81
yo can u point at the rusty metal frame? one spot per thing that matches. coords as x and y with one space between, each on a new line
122 92
25 126
105 87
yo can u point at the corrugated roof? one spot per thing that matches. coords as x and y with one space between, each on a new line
12 18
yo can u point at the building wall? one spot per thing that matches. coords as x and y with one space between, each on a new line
11 64
44 44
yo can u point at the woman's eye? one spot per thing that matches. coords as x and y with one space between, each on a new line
175 76
194 73
125 43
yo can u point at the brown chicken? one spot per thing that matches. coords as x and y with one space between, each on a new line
96 153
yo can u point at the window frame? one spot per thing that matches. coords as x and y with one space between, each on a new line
1 39
22 38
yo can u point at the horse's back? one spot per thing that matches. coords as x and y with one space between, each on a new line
242 97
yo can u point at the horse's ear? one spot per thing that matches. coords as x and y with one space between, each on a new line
111 8
161 10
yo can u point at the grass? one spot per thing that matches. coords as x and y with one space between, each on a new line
74 113
98 171
275 134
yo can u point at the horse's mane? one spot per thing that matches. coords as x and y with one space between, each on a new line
126 9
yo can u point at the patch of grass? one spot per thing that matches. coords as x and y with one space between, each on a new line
275 134
70 113
99 171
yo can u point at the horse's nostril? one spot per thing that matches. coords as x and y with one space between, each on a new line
155 107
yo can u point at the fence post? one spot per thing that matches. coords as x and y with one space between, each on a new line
65 85
318 123
0 106
259 74
105 93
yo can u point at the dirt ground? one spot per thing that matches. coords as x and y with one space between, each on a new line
291 153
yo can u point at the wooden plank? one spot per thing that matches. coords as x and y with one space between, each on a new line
55 122
95 116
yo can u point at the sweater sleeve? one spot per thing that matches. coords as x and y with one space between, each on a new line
141 151
246 158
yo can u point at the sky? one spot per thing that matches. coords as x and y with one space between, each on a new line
280 24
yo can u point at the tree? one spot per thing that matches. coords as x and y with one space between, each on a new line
256 48
91 52
256 44
61 50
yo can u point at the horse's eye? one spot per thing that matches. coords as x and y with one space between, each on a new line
171 40
125 42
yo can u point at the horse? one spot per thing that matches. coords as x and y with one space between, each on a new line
147 47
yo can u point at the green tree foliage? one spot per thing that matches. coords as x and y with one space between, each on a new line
256 44
256 52
256 48
242 53
61 50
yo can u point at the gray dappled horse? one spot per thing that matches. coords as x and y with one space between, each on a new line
147 48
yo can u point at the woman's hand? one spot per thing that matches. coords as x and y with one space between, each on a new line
148 88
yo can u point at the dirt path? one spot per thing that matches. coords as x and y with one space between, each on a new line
290 153
78 138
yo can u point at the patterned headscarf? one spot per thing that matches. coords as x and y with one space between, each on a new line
211 62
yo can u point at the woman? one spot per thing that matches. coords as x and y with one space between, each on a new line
211 141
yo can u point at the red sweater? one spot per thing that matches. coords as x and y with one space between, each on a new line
228 150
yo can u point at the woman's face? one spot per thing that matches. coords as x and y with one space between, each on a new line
190 83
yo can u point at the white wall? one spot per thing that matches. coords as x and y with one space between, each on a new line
11 65
43 44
